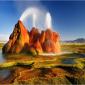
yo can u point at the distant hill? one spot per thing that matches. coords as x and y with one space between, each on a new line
79 40
3 41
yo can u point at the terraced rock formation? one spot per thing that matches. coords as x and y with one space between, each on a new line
21 40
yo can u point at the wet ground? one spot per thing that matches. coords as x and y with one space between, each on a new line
42 67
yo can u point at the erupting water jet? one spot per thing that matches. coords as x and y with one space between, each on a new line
48 20
45 41
29 12
34 20
34 13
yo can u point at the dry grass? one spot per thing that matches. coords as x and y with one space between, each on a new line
1 45
47 70
73 47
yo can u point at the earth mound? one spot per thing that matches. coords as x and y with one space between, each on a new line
22 40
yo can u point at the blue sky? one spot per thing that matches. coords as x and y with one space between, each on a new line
68 17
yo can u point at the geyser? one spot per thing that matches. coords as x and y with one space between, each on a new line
37 15
30 12
23 40
34 20
48 20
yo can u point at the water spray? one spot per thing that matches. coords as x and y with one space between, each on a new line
48 20
34 20
34 13
29 12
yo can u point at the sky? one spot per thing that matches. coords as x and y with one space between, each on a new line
68 17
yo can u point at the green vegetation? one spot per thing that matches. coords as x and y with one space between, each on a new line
45 62
65 69
73 47
1 45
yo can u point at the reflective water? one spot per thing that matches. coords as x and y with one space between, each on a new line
1 57
70 58
3 72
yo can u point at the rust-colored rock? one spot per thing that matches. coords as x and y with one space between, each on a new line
17 40
50 41
49 46
49 34
34 40
22 40
37 46
56 39
42 37
34 35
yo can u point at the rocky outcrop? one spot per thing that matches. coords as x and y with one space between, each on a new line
34 35
22 40
49 46
51 41
42 37
18 40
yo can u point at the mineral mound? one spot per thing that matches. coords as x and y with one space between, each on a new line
22 40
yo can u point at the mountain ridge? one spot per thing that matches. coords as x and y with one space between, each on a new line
78 40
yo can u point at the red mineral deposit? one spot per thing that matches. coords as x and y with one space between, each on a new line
22 40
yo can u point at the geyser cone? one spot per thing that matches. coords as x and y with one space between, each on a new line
17 40
23 32
51 43
34 35
35 42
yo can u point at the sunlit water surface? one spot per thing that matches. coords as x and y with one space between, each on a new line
3 72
